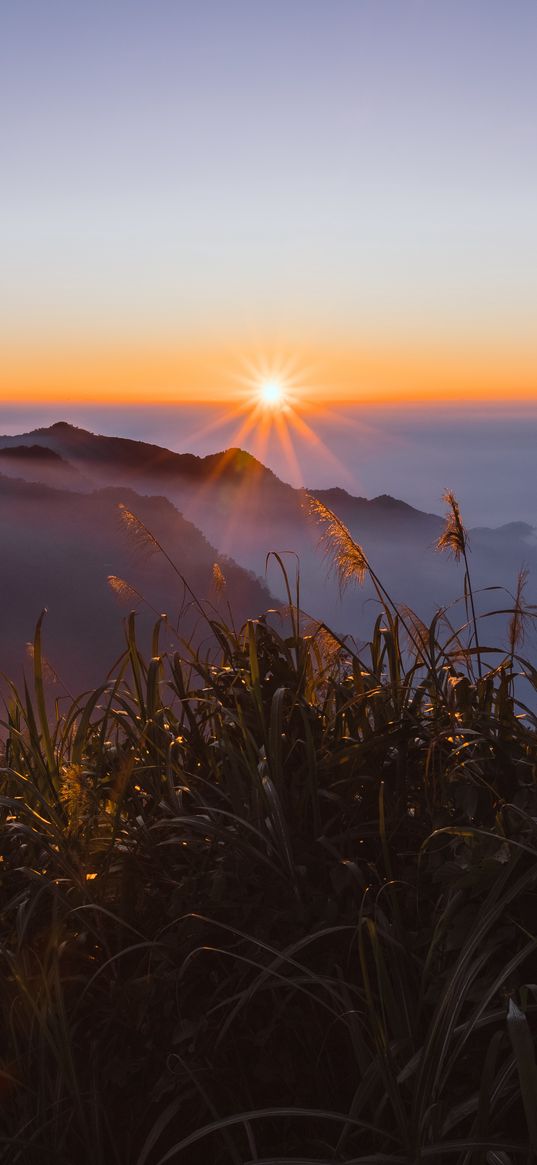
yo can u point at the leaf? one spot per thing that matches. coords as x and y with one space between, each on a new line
522 1044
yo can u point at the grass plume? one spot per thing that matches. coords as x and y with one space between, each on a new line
454 539
124 591
517 622
274 903
347 557
219 578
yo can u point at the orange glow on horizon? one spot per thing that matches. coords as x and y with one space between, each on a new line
272 396
257 418
395 373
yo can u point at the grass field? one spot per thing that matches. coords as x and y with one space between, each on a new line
276 902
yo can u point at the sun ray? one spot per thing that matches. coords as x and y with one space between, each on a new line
271 410
274 388
312 438
223 419
286 440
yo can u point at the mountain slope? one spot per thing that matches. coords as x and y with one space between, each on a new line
60 546
209 489
125 459
246 512
35 462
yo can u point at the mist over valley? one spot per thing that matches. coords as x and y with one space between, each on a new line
60 491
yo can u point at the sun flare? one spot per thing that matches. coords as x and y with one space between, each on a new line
271 393
274 414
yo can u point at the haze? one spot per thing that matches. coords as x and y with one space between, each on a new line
486 455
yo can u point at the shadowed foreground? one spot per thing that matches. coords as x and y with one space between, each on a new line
275 906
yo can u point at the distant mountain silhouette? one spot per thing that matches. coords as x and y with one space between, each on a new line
246 511
212 486
126 459
58 549
399 516
32 453
40 463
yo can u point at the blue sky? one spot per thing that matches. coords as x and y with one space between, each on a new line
351 172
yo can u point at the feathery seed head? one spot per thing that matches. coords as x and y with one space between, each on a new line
417 634
219 578
348 559
75 796
124 591
454 536
139 533
516 630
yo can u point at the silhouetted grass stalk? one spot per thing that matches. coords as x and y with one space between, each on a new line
273 902
454 538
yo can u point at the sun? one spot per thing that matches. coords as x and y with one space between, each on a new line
271 403
271 394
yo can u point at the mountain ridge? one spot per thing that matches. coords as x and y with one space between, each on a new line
245 511
132 455
147 457
60 546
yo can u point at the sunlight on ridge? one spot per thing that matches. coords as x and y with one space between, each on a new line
272 397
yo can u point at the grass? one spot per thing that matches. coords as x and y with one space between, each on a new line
275 903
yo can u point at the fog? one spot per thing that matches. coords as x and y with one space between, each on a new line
62 543
59 549
487 456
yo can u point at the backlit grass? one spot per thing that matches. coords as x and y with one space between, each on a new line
276 901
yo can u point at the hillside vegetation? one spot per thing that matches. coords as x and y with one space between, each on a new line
276 903
243 510
59 547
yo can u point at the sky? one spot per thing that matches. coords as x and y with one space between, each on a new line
195 188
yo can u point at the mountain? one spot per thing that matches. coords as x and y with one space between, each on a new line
60 546
237 501
246 512
126 460
31 453
396 519
40 463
